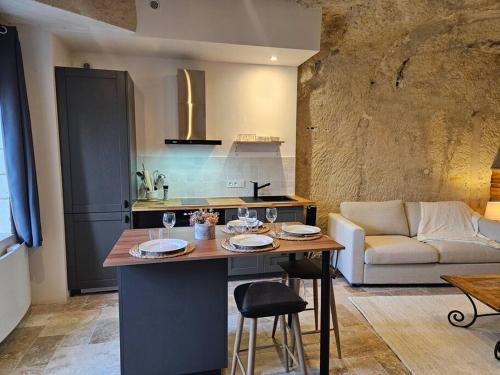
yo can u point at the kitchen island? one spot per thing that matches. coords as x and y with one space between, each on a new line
173 311
148 214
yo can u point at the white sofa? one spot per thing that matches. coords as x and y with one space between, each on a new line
380 248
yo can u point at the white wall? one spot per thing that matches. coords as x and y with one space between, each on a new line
41 51
276 23
240 98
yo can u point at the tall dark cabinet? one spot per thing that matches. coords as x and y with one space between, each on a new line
98 160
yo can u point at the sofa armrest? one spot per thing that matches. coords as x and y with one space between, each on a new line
490 229
351 261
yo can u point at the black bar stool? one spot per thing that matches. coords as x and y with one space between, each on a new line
310 269
262 299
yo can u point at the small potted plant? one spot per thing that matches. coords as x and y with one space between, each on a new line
204 222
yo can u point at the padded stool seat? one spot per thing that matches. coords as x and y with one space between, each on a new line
267 298
305 269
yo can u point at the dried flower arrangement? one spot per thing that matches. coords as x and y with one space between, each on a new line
203 216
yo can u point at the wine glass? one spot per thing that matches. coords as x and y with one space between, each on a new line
252 220
271 216
242 214
169 221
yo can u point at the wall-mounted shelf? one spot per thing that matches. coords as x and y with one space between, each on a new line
259 142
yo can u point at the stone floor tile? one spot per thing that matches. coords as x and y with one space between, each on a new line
40 352
347 318
79 336
365 366
35 320
409 292
391 363
48 308
37 370
443 290
108 312
14 346
76 303
105 330
96 359
99 303
67 322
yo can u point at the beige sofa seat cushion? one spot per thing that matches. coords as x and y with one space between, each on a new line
377 218
462 252
413 215
398 250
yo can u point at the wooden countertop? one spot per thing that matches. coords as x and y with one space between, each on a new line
205 249
222 202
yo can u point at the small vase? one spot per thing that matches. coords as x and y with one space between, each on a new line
204 232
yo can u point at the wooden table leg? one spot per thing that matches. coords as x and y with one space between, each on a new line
324 362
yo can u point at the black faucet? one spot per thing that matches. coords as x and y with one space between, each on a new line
256 188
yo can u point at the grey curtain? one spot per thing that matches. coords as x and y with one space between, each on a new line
18 144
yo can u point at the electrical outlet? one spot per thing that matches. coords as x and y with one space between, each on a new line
235 183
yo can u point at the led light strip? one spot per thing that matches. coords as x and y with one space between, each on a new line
190 104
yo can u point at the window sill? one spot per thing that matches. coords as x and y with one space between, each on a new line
6 240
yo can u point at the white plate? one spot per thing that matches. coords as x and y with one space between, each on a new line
238 223
301 230
162 246
251 240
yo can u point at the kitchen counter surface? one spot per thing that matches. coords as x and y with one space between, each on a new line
205 249
222 202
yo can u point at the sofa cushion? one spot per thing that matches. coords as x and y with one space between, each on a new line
398 250
463 252
377 218
490 229
413 216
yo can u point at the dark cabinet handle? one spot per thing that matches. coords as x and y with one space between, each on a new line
127 219
126 204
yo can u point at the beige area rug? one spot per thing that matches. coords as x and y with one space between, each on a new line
416 328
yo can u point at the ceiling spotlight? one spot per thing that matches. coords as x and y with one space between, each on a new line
274 58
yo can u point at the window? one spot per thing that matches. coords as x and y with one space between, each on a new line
5 217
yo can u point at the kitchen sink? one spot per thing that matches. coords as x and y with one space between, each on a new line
268 198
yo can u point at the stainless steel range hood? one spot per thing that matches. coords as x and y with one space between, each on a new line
191 107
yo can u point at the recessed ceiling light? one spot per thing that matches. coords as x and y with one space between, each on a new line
274 58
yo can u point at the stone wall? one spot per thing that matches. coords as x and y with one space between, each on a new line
121 13
402 102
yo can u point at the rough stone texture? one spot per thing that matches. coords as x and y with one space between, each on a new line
402 102
121 13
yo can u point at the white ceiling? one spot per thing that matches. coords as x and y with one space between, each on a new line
184 49
83 34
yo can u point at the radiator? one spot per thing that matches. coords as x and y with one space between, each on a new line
15 290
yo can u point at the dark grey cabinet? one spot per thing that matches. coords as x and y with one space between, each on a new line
90 236
98 161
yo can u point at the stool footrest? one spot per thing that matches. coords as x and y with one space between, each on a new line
275 345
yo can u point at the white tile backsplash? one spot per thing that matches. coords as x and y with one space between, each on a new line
206 176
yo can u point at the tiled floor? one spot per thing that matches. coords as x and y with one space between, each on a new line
81 337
